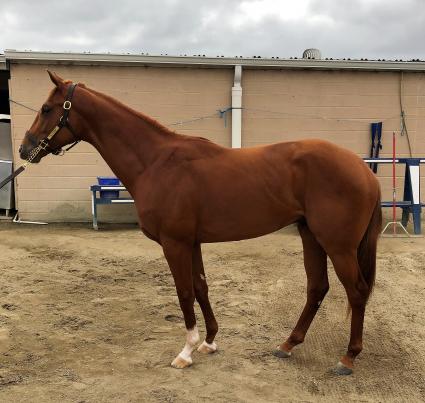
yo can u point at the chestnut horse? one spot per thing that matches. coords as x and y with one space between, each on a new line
188 190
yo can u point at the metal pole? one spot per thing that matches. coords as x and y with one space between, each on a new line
394 187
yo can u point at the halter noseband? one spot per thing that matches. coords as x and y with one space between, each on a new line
63 122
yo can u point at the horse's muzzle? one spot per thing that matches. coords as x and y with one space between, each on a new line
25 152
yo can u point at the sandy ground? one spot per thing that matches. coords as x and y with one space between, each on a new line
91 316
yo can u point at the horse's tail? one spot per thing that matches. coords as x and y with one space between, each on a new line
366 252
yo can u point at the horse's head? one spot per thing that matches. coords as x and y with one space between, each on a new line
51 129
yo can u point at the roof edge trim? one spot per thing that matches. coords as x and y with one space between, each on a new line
15 56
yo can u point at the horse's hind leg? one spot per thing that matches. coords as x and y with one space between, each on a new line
315 262
348 271
179 258
201 294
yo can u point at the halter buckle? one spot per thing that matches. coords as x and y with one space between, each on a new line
67 105
44 144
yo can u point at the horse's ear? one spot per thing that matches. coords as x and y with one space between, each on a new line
55 78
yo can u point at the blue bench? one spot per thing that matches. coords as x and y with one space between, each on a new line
106 194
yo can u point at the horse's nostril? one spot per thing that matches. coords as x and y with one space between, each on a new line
23 152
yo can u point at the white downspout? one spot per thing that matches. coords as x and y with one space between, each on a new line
237 109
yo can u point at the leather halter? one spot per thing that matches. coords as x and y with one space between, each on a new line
63 122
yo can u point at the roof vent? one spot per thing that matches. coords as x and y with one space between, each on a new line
312 54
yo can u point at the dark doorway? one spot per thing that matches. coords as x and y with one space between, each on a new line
6 155
4 93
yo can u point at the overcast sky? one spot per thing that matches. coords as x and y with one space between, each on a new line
339 28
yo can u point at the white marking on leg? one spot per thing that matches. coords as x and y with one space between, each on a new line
207 348
192 338
202 277
284 354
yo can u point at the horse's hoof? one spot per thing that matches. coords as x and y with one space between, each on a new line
206 348
181 363
281 353
341 369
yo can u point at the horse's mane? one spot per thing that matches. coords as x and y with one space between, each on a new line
146 118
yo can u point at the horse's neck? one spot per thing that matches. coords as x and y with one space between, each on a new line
128 143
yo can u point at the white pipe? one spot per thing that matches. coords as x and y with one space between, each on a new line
17 220
237 109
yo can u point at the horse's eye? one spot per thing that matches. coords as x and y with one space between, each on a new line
45 109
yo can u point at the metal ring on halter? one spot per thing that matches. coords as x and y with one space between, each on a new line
44 144
67 105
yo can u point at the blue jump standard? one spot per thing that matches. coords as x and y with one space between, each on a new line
411 203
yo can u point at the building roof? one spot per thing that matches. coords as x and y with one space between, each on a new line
67 58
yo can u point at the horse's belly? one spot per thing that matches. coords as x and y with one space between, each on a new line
244 223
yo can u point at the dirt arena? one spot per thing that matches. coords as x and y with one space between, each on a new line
91 316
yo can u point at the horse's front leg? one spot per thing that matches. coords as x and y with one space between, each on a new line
179 258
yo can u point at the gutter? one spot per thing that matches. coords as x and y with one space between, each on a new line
88 59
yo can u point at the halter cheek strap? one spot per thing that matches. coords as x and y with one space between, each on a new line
63 122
